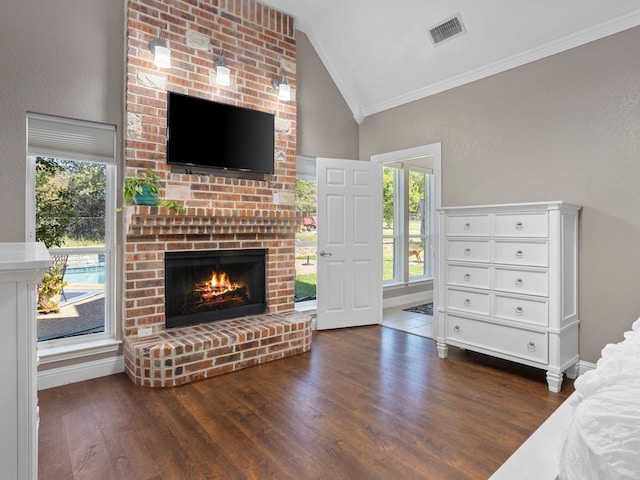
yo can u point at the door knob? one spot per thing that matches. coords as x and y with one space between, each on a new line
325 254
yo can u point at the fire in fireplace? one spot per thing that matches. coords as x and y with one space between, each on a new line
205 286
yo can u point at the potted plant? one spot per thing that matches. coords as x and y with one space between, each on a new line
144 189
50 289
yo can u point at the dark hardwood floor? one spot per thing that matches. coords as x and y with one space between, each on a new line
364 403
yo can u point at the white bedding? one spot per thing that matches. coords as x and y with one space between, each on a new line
603 438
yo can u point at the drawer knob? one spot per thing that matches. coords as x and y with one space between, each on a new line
531 346
467 226
467 277
519 226
456 329
467 302
519 311
467 251
519 282
519 254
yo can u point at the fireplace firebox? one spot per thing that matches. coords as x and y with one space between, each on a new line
205 286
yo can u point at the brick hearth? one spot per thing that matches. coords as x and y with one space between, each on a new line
177 356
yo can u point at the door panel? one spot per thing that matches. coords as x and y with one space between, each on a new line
335 228
361 292
349 243
335 301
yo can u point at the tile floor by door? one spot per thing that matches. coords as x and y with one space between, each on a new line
416 323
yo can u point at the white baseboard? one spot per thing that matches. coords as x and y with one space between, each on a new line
585 366
80 372
425 297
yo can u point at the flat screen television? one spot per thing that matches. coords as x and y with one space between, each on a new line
209 134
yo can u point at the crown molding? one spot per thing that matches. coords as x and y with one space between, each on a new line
581 37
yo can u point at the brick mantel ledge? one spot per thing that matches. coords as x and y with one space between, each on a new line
158 221
183 355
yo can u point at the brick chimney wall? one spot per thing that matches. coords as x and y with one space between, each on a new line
223 212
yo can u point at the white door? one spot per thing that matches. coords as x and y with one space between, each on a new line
349 288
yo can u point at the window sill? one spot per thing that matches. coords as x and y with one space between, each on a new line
77 350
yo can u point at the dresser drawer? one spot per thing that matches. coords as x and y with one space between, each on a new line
530 282
468 275
467 301
468 225
518 342
521 224
468 250
520 309
535 254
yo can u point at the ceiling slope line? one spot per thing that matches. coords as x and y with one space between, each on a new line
337 79
581 37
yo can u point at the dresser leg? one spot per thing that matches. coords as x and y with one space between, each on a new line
442 349
554 380
572 371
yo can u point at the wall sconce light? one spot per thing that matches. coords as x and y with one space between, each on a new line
283 88
223 74
162 54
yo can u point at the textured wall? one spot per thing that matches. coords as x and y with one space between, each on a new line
563 128
62 58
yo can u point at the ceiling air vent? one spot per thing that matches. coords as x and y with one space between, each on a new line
446 30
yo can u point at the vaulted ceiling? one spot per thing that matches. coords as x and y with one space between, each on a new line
380 54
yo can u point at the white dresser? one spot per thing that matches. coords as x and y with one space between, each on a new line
507 284
21 268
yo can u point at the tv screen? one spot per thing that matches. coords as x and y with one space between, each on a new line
204 133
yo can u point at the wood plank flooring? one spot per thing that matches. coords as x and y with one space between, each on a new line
364 403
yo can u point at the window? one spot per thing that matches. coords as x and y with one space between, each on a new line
407 221
306 235
71 169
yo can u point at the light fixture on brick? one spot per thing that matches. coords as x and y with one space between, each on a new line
223 74
283 88
161 53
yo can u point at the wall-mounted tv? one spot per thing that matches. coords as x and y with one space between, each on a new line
204 133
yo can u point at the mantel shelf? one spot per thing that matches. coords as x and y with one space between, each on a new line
158 221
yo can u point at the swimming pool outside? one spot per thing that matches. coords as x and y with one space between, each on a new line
85 275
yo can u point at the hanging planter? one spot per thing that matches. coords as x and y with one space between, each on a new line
146 197
144 189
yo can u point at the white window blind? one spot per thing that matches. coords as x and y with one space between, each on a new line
70 139
305 168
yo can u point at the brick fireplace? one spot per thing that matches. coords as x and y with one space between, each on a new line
223 211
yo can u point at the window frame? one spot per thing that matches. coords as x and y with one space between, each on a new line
94 343
401 235
432 153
